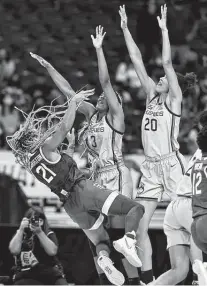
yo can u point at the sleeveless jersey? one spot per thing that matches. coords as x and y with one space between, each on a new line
185 186
103 142
160 129
199 184
60 176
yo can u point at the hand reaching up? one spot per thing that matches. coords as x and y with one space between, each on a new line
98 40
123 15
42 61
163 21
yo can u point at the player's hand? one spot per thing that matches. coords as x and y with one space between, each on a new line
98 40
123 15
163 21
42 61
71 137
83 95
24 223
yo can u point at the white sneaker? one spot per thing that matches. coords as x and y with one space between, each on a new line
113 275
127 246
200 269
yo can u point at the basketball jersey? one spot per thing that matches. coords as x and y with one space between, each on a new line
60 176
199 184
103 142
160 129
185 186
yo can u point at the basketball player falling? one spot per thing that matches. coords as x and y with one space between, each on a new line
84 201
163 166
102 138
199 205
177 226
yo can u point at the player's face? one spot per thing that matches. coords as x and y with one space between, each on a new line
162 86
102 104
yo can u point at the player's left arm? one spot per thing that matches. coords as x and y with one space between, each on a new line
115 108
175 94
66 124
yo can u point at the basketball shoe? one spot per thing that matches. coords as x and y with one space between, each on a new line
127 246
112 274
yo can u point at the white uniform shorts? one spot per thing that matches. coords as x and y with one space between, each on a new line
161 175
177 221
116 178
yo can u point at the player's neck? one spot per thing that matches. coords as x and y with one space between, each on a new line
100 115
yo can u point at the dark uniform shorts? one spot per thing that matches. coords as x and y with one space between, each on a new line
88 204
199 232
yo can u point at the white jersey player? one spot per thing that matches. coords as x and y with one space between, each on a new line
177 227
164 165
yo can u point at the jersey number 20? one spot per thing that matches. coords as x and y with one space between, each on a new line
47 174
150 124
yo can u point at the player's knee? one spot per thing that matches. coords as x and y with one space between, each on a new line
104 245
181 269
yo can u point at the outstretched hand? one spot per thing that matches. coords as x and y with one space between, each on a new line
83 95
123 15
163 21
98 40
42 61
71 137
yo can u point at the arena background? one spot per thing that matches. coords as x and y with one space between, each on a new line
59 31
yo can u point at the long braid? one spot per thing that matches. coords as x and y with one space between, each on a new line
31 135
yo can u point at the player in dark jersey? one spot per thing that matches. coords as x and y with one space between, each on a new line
85 201
199 204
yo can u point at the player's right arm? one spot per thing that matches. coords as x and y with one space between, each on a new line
86 108
136 57
52 143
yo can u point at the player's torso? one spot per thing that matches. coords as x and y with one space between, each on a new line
62 174
160 129
103 143
199 185
185 185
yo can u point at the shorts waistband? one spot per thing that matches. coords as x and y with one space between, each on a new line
160 158
111 167
183 196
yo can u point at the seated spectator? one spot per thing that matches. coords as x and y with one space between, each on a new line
198 36
7 65
180 24
34 247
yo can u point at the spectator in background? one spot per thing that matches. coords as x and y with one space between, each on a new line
198 35
7 65
148 38
180 24
34 247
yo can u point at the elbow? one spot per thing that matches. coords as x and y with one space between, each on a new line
104 81
13 250
167 62
53 251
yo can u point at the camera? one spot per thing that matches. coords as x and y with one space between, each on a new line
35 220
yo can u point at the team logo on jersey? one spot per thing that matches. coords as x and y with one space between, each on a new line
198 166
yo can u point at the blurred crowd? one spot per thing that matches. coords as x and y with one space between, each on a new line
22 88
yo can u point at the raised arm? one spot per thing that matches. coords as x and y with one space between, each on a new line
136 57
63 85
175 93
115 108
59 135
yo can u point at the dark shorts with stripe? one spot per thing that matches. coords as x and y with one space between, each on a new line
161 176
89 203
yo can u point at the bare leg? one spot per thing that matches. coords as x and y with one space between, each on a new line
179 259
